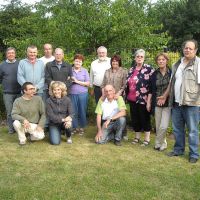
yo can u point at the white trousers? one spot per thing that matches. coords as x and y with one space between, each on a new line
162 118
35 135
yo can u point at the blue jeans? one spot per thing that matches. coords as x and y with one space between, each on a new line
79 103
8 102
186 116
55 133
116 127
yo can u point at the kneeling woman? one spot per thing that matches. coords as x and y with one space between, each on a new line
59 112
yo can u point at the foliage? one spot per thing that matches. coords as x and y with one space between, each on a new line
81 25
180 18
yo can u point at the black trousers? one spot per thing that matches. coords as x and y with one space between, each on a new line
97 93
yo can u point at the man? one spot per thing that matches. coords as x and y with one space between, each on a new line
48 57
11 88
29 114
31 70
111 113
58 70
97 71
184 91
48 51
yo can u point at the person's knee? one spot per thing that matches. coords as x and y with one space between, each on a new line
17 124
122 121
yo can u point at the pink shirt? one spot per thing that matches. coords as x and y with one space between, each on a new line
132 86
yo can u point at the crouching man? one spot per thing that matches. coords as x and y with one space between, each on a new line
111 119
28 114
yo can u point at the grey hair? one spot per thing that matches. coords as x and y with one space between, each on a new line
10 48
140 51
59 49
102 47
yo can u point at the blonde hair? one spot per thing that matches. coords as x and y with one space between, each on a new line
61 85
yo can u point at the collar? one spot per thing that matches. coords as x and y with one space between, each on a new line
105 60
8 61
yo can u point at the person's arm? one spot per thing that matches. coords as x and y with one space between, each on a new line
121 113
99 129
119 93
40 84
48 74
16 112
1 73
161 99
42 119
20 73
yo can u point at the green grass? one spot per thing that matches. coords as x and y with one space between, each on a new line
86 171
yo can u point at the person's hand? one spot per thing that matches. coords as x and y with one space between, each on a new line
74 79
26 124
39 128
106 123
98 136
148 106
161 100
116 96
92 92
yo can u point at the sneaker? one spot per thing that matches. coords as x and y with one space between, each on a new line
157 148
117 143
125 138
163 147
172 153
22 143
193 160
69 140
74 131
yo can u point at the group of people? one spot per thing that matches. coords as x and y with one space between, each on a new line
55 95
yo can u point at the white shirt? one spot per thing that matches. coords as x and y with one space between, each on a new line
178 81
46 60
109 109
97 71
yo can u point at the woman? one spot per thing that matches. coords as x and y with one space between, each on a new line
138 94
160 81
59 112
79 94
115 76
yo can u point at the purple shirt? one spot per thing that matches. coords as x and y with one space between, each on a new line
83 76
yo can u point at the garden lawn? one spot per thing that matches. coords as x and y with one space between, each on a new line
87 171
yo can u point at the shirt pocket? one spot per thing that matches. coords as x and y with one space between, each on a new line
191 85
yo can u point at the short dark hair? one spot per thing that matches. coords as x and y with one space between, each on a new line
192 40
116 58
24 86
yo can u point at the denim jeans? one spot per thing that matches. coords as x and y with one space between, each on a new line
114 126
55 133
79 103
8 102
183 116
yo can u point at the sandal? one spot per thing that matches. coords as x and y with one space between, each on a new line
145 143
81 131
135 141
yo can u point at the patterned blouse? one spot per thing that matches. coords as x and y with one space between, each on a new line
143 83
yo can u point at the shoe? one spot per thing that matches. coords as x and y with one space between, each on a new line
74 131
22 143
135 141
69 140
145 143
157 148
172 153
117 143
125 138
193 160
162 148
81 132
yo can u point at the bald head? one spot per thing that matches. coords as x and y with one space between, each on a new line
59 55
109 92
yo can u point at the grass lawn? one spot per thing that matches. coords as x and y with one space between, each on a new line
86 171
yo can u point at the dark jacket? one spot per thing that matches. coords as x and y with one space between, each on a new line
53 73
57 109
8 78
